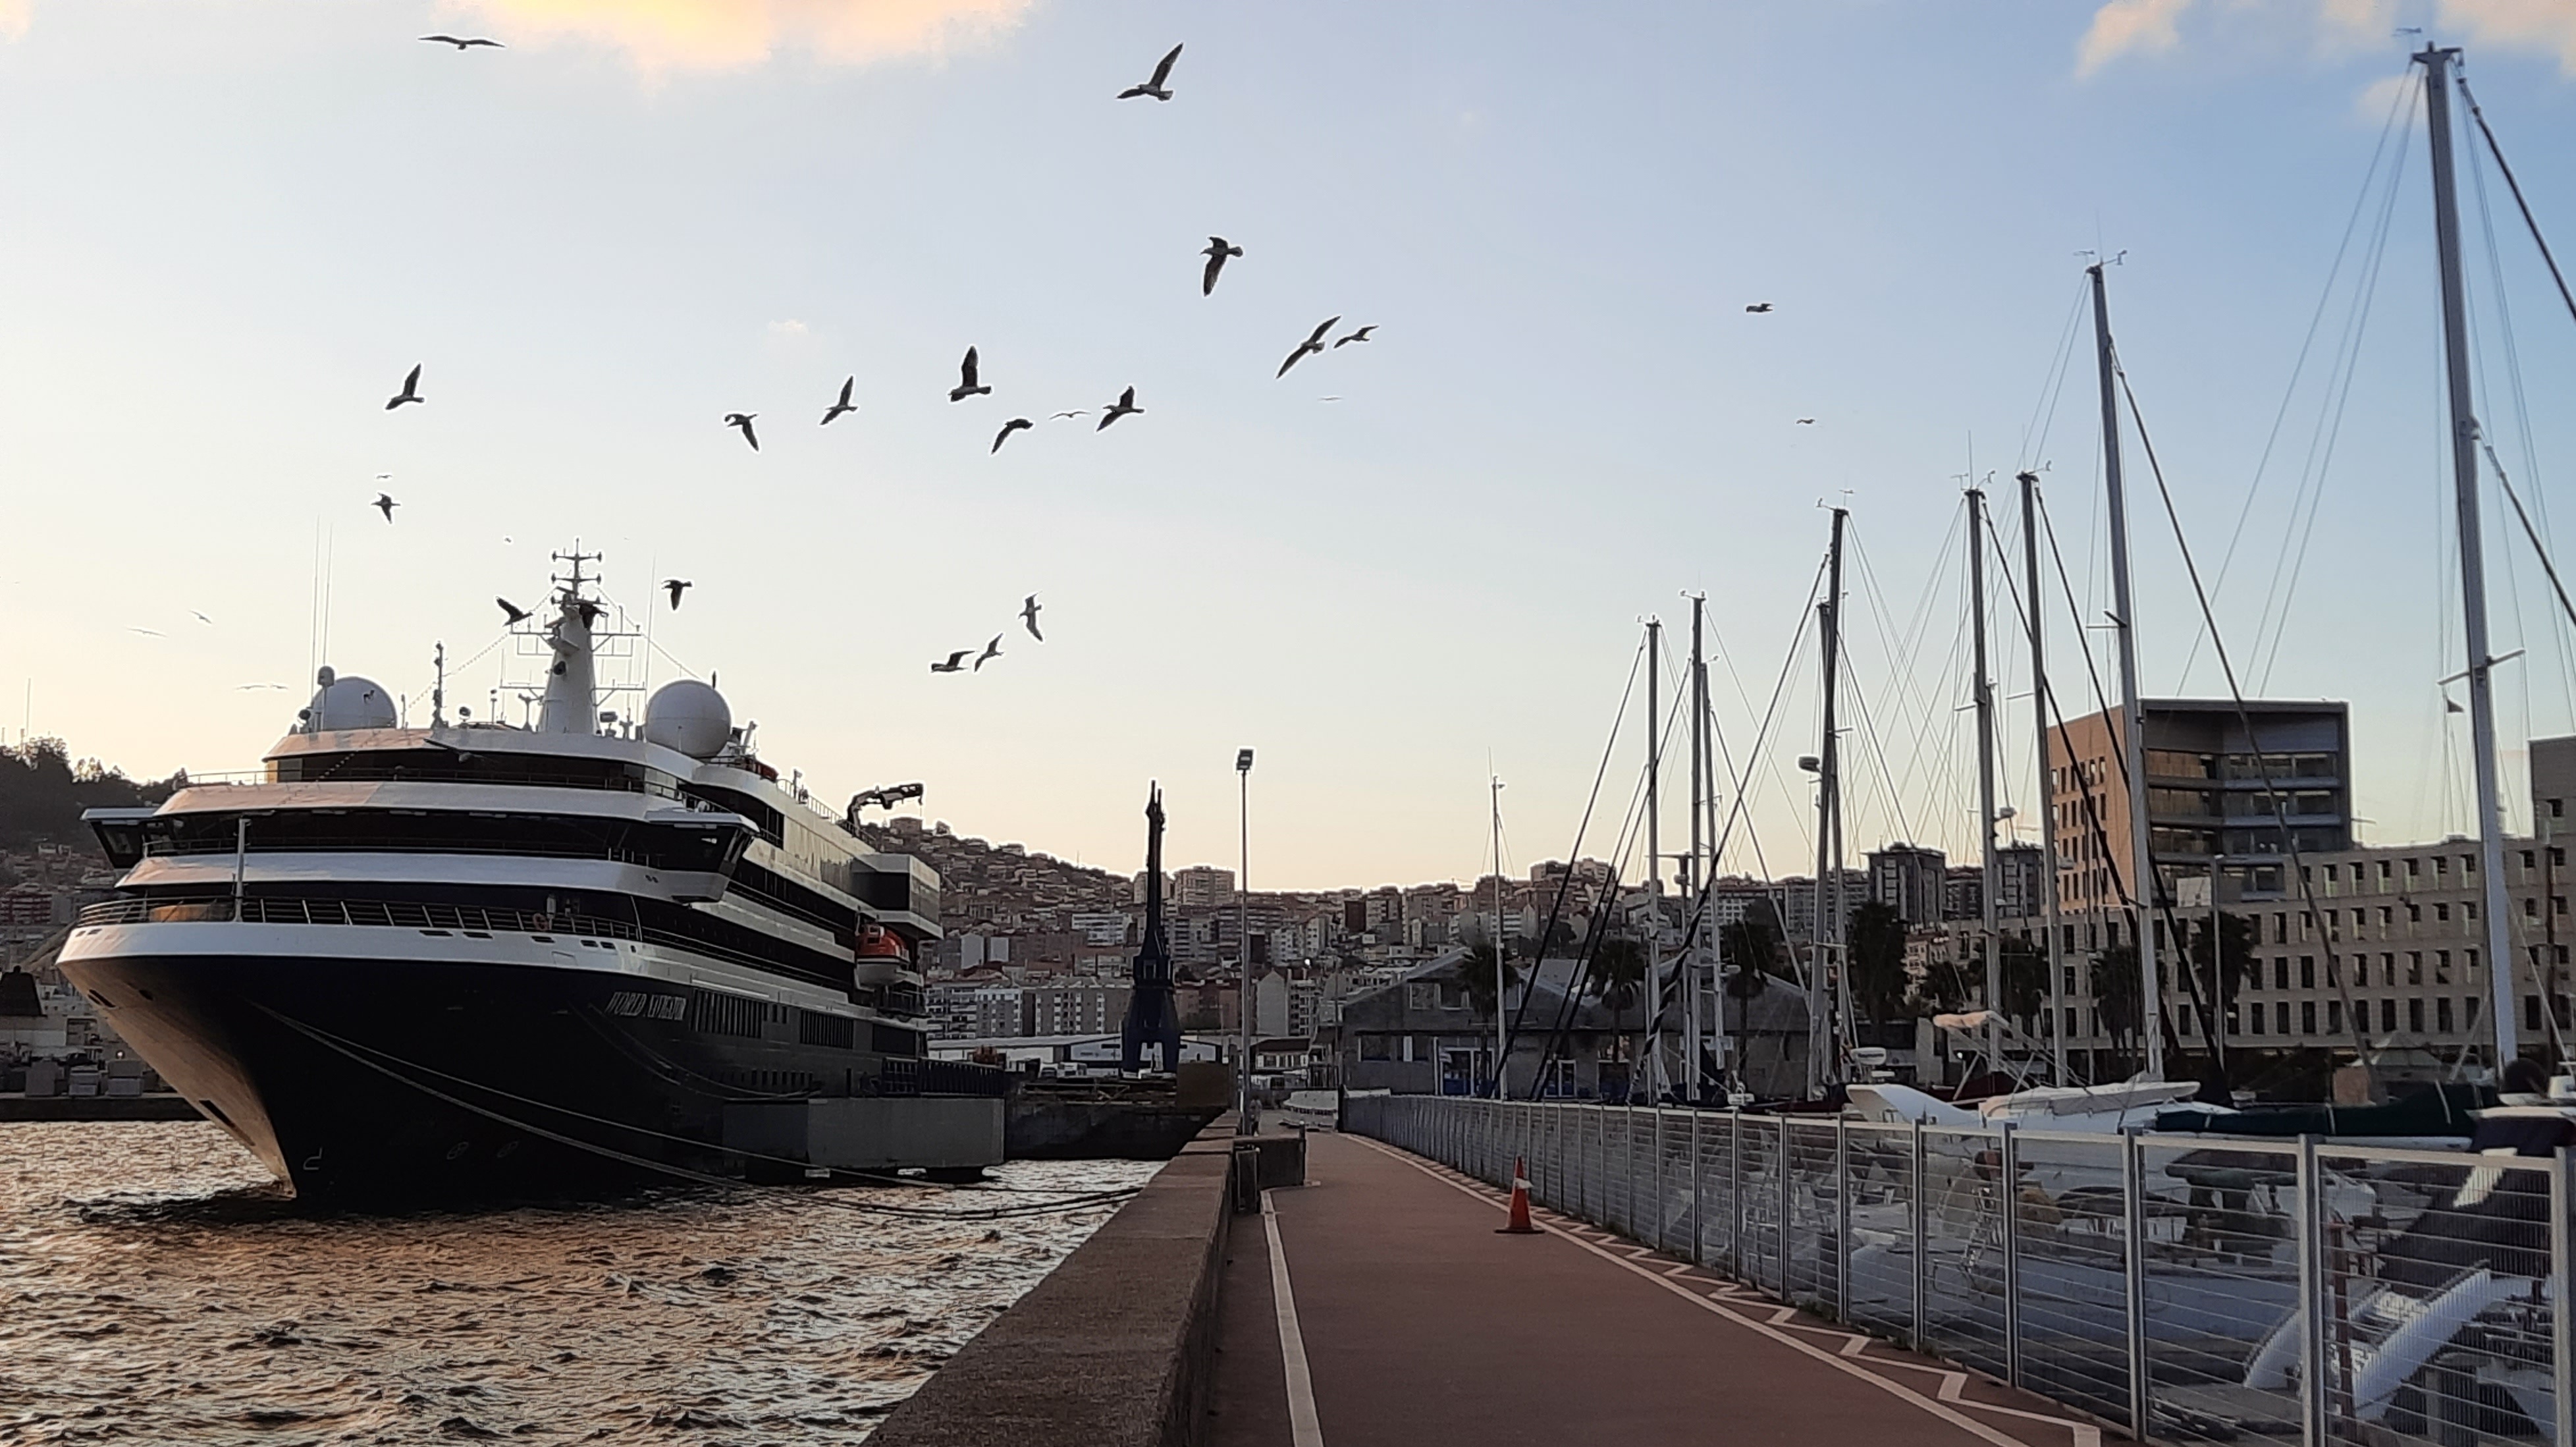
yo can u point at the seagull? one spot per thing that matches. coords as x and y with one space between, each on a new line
1328 399
155 632
675 587
956 662
967 386
845 404
1029 615
1314 343
385 504
246 687
202 618
1759 306
1126 403
1076 412
517 614
1361 335
1218 249
1806 421
410 391
743 421
1014 425
1154 87
991 651
464 43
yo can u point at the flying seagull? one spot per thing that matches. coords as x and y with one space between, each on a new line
1335 398
967 385
202 618
155 632
516 613
1314 343
246 687
1076 412
385 504
1218 249
675 587
1155 87
991 651
1806 421
410 391
1014 425
464 42
1126 403
1361 335
743 421
956 662
1029 615
845 404
1759 306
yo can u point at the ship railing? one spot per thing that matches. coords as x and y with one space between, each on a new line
463 919
458 774
2209 1288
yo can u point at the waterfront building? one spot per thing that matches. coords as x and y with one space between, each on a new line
1909 879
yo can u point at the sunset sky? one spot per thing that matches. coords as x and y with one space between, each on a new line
228 229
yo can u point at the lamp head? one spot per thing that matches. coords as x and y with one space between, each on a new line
1243 761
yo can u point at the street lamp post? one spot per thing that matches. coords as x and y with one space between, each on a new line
1243 1123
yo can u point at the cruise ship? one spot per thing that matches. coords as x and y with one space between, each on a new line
490 959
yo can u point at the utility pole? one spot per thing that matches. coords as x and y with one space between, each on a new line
2473 577
1499 1040
2039 703
1829 811
2133 709
1243 941
1984 694
1693 914
1655 993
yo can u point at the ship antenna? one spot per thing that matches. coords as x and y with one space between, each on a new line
438 688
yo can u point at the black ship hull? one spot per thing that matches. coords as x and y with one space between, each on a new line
389 1083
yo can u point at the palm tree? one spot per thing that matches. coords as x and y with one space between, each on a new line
1619 981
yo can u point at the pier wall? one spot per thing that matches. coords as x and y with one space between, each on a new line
1113 1348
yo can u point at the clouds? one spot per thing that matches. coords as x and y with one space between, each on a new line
716 35
13 18
2123 28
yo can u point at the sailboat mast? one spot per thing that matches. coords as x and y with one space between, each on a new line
1984 695
2048 792
2473 580
1697 880
1655 993
2133 709
1829 853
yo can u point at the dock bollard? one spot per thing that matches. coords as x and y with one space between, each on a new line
1519 1225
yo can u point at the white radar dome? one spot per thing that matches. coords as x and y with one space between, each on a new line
689 716
349 702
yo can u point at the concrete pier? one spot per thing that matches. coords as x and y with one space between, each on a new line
1417 1324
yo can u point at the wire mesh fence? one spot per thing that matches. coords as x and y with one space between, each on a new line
2214 1289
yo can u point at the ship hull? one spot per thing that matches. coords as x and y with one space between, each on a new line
371 1081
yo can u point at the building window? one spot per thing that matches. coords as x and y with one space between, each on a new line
2441 913
2442 1013
2441 967
2388 1017
2414 967
2307 972
2307 1017
2469 1009
2529 862
2415 1014
2280 1017
2256 1014
2280 972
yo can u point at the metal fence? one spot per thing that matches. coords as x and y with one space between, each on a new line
2213 1290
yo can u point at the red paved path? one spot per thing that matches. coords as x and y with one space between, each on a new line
1423 1327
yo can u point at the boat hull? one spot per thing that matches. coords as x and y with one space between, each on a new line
365 1080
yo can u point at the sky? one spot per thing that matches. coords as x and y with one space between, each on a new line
227 231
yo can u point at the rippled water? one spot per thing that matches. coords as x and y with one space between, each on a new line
156 1286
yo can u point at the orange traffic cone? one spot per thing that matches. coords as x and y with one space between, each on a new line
1519 1225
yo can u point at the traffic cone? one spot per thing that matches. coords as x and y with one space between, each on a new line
1519 1225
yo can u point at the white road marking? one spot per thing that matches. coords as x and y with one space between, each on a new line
1303 1429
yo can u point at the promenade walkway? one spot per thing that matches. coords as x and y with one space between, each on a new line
1418 1325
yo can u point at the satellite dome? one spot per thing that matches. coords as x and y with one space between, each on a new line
689 716
349 702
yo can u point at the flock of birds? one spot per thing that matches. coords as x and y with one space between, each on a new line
970 380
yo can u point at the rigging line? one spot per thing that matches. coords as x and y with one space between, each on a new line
2530 454
2297 368
2323 438
1900 652
2052 385
1727 756
2083 642
1699 907
2324 922
2515 186
1742 782
361 1054
1631 826
1636 662
2538 548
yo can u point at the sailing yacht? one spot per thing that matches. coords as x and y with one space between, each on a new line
480 958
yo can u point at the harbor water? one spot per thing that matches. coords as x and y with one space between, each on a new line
157 1286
